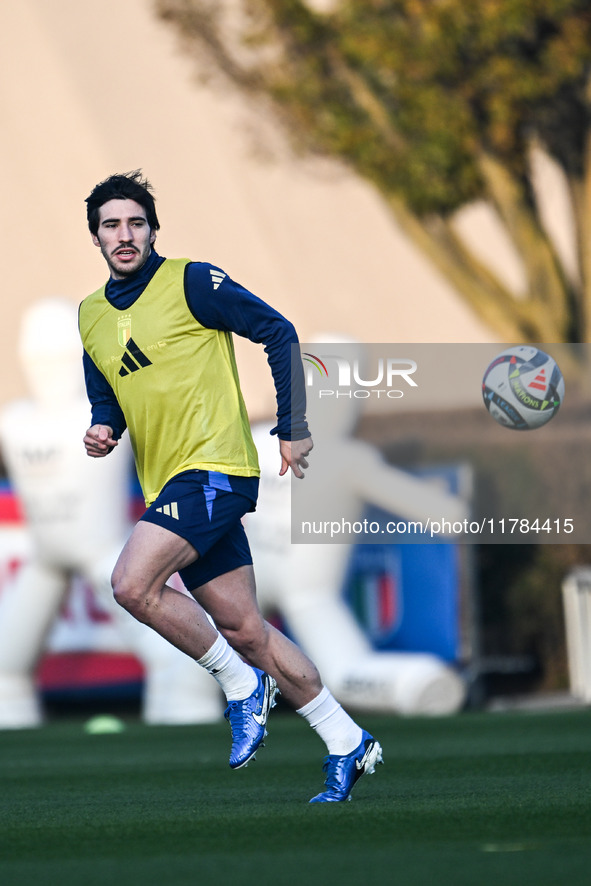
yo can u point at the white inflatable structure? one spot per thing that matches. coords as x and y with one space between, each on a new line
76 511
303 582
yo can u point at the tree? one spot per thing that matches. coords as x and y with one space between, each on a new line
438 103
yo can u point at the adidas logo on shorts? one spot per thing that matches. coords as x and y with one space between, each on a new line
171 510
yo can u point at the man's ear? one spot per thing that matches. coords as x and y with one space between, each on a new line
95 239
153 236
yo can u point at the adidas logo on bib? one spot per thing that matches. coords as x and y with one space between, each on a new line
133 359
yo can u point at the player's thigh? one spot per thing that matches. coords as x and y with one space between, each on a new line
150 556
231 600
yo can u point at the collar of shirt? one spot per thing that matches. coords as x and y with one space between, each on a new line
122 293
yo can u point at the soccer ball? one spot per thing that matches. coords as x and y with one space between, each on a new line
523 388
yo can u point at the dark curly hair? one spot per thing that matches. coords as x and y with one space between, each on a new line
122 186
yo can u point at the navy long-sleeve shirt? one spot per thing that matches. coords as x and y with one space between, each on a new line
229 308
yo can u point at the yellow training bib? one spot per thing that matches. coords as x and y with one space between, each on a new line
175 380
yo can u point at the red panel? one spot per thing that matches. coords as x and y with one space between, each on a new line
76 670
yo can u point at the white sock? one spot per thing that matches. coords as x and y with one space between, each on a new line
236 678
335 727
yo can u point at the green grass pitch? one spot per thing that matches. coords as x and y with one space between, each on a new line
473 800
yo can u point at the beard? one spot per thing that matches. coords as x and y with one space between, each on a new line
122 269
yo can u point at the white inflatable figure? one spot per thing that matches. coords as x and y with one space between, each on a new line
303 582
76 513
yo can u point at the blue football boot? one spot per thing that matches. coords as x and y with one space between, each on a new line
343 772
248 719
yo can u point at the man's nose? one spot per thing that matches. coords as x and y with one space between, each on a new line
125 232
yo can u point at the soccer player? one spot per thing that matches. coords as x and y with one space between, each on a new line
159 361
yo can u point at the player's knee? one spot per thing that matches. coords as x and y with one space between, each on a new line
248 638
124 595
131 596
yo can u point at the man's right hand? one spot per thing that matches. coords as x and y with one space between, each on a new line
98 441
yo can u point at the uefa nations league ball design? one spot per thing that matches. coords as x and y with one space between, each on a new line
523 388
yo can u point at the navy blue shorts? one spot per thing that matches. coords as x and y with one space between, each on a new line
203 508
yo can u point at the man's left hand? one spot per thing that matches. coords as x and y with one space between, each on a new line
293 455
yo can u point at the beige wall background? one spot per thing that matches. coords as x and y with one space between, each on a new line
87 89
